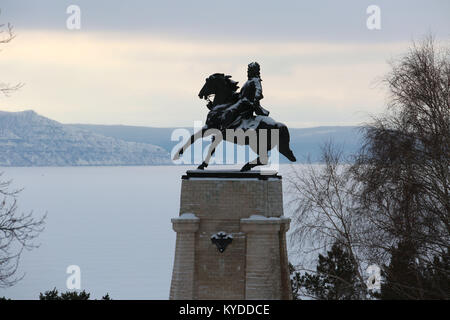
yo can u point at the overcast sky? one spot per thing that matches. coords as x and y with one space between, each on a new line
143 62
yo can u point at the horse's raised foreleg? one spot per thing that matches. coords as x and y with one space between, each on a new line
212 148
192 139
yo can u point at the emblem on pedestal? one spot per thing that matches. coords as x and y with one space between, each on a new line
221 240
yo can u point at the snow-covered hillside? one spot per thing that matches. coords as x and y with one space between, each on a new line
28 139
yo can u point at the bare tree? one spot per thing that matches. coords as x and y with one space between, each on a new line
392 205
17 232
6 35
404 166
324 202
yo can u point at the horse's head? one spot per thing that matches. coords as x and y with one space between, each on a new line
219 85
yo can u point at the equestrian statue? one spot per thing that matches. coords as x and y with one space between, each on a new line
232 110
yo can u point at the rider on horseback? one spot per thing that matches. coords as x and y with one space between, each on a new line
234 111
252 89
240 113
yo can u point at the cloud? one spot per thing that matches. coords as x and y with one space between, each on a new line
153 79
263 20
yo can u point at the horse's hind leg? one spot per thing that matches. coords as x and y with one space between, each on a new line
258 162
287 152
262 149
283 144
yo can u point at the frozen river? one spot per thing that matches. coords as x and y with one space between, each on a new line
113 222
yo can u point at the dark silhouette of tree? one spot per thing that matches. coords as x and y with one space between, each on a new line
335 278
68 295
406 278
295 282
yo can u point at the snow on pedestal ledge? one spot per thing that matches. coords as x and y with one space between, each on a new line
187 216
260 217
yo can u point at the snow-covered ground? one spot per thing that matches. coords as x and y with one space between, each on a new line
113 222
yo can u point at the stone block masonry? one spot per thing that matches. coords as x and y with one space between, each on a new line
249 207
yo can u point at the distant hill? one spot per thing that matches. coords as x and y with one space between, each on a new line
156 136
28 139
306 143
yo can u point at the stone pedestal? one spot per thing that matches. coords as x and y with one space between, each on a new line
247 210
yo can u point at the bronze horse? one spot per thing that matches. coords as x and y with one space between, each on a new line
229 112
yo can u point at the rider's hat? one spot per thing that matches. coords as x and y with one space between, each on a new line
254 66
253 69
